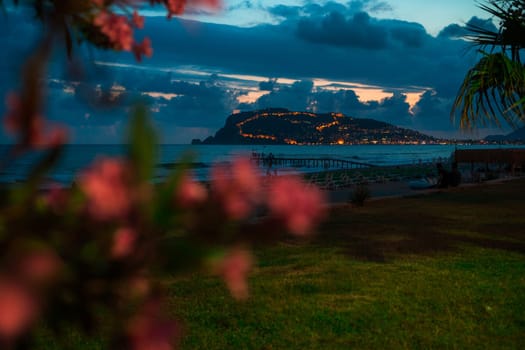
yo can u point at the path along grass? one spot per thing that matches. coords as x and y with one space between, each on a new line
445 270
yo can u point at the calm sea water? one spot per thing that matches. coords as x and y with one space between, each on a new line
77 157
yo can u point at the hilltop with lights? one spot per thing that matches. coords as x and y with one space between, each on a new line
281 126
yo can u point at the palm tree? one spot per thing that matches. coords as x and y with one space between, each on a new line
494 89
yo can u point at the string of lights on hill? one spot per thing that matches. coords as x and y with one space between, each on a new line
281 126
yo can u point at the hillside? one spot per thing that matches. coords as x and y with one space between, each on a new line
515 136
281 126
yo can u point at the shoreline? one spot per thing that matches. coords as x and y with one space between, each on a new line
401 189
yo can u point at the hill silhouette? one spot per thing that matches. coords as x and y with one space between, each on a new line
281 126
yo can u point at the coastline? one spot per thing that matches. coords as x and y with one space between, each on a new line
399 189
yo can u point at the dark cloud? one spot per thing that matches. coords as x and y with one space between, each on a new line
334 29
411 35
268 85
336 42
295 97
198 104
344 101
457 31
433 112
350 25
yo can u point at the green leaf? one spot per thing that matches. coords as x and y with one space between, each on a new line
164 208
29 188
142 144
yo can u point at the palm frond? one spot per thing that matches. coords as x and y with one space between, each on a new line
493 89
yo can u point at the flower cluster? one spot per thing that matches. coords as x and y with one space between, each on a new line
68 255
118 28
98 243
119 31
108 189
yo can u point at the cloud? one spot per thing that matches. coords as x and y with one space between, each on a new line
303 96
295 97
334 29
340 42
457 31
411 35
268 85
201 104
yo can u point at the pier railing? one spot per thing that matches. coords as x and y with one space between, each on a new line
326 163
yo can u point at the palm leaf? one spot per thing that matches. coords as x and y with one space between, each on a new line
493 89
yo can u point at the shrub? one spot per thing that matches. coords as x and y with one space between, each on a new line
360 194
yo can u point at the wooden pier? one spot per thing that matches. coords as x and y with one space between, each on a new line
321 163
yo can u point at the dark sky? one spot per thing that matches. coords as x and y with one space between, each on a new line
360 58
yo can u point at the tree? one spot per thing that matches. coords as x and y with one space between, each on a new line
494 89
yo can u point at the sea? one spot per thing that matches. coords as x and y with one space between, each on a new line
202 157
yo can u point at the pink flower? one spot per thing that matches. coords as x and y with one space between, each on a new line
107 189
238 187
138 20
56 137
57 198
299 205
234 269
175 7
190 192
39 266
123 242
116 28
151 330
18 309
143 49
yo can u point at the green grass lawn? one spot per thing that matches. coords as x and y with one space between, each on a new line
445 270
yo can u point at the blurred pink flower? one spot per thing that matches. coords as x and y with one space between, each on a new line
107 189
56 137
175 7
238 187
40 266
99 3
149 329
143 49
123 242
298 204
138 20
190 192
116 28
18 309
234 269
57 198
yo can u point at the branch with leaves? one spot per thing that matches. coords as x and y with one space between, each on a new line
494 89
90 258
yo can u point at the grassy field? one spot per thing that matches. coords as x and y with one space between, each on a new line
445 270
